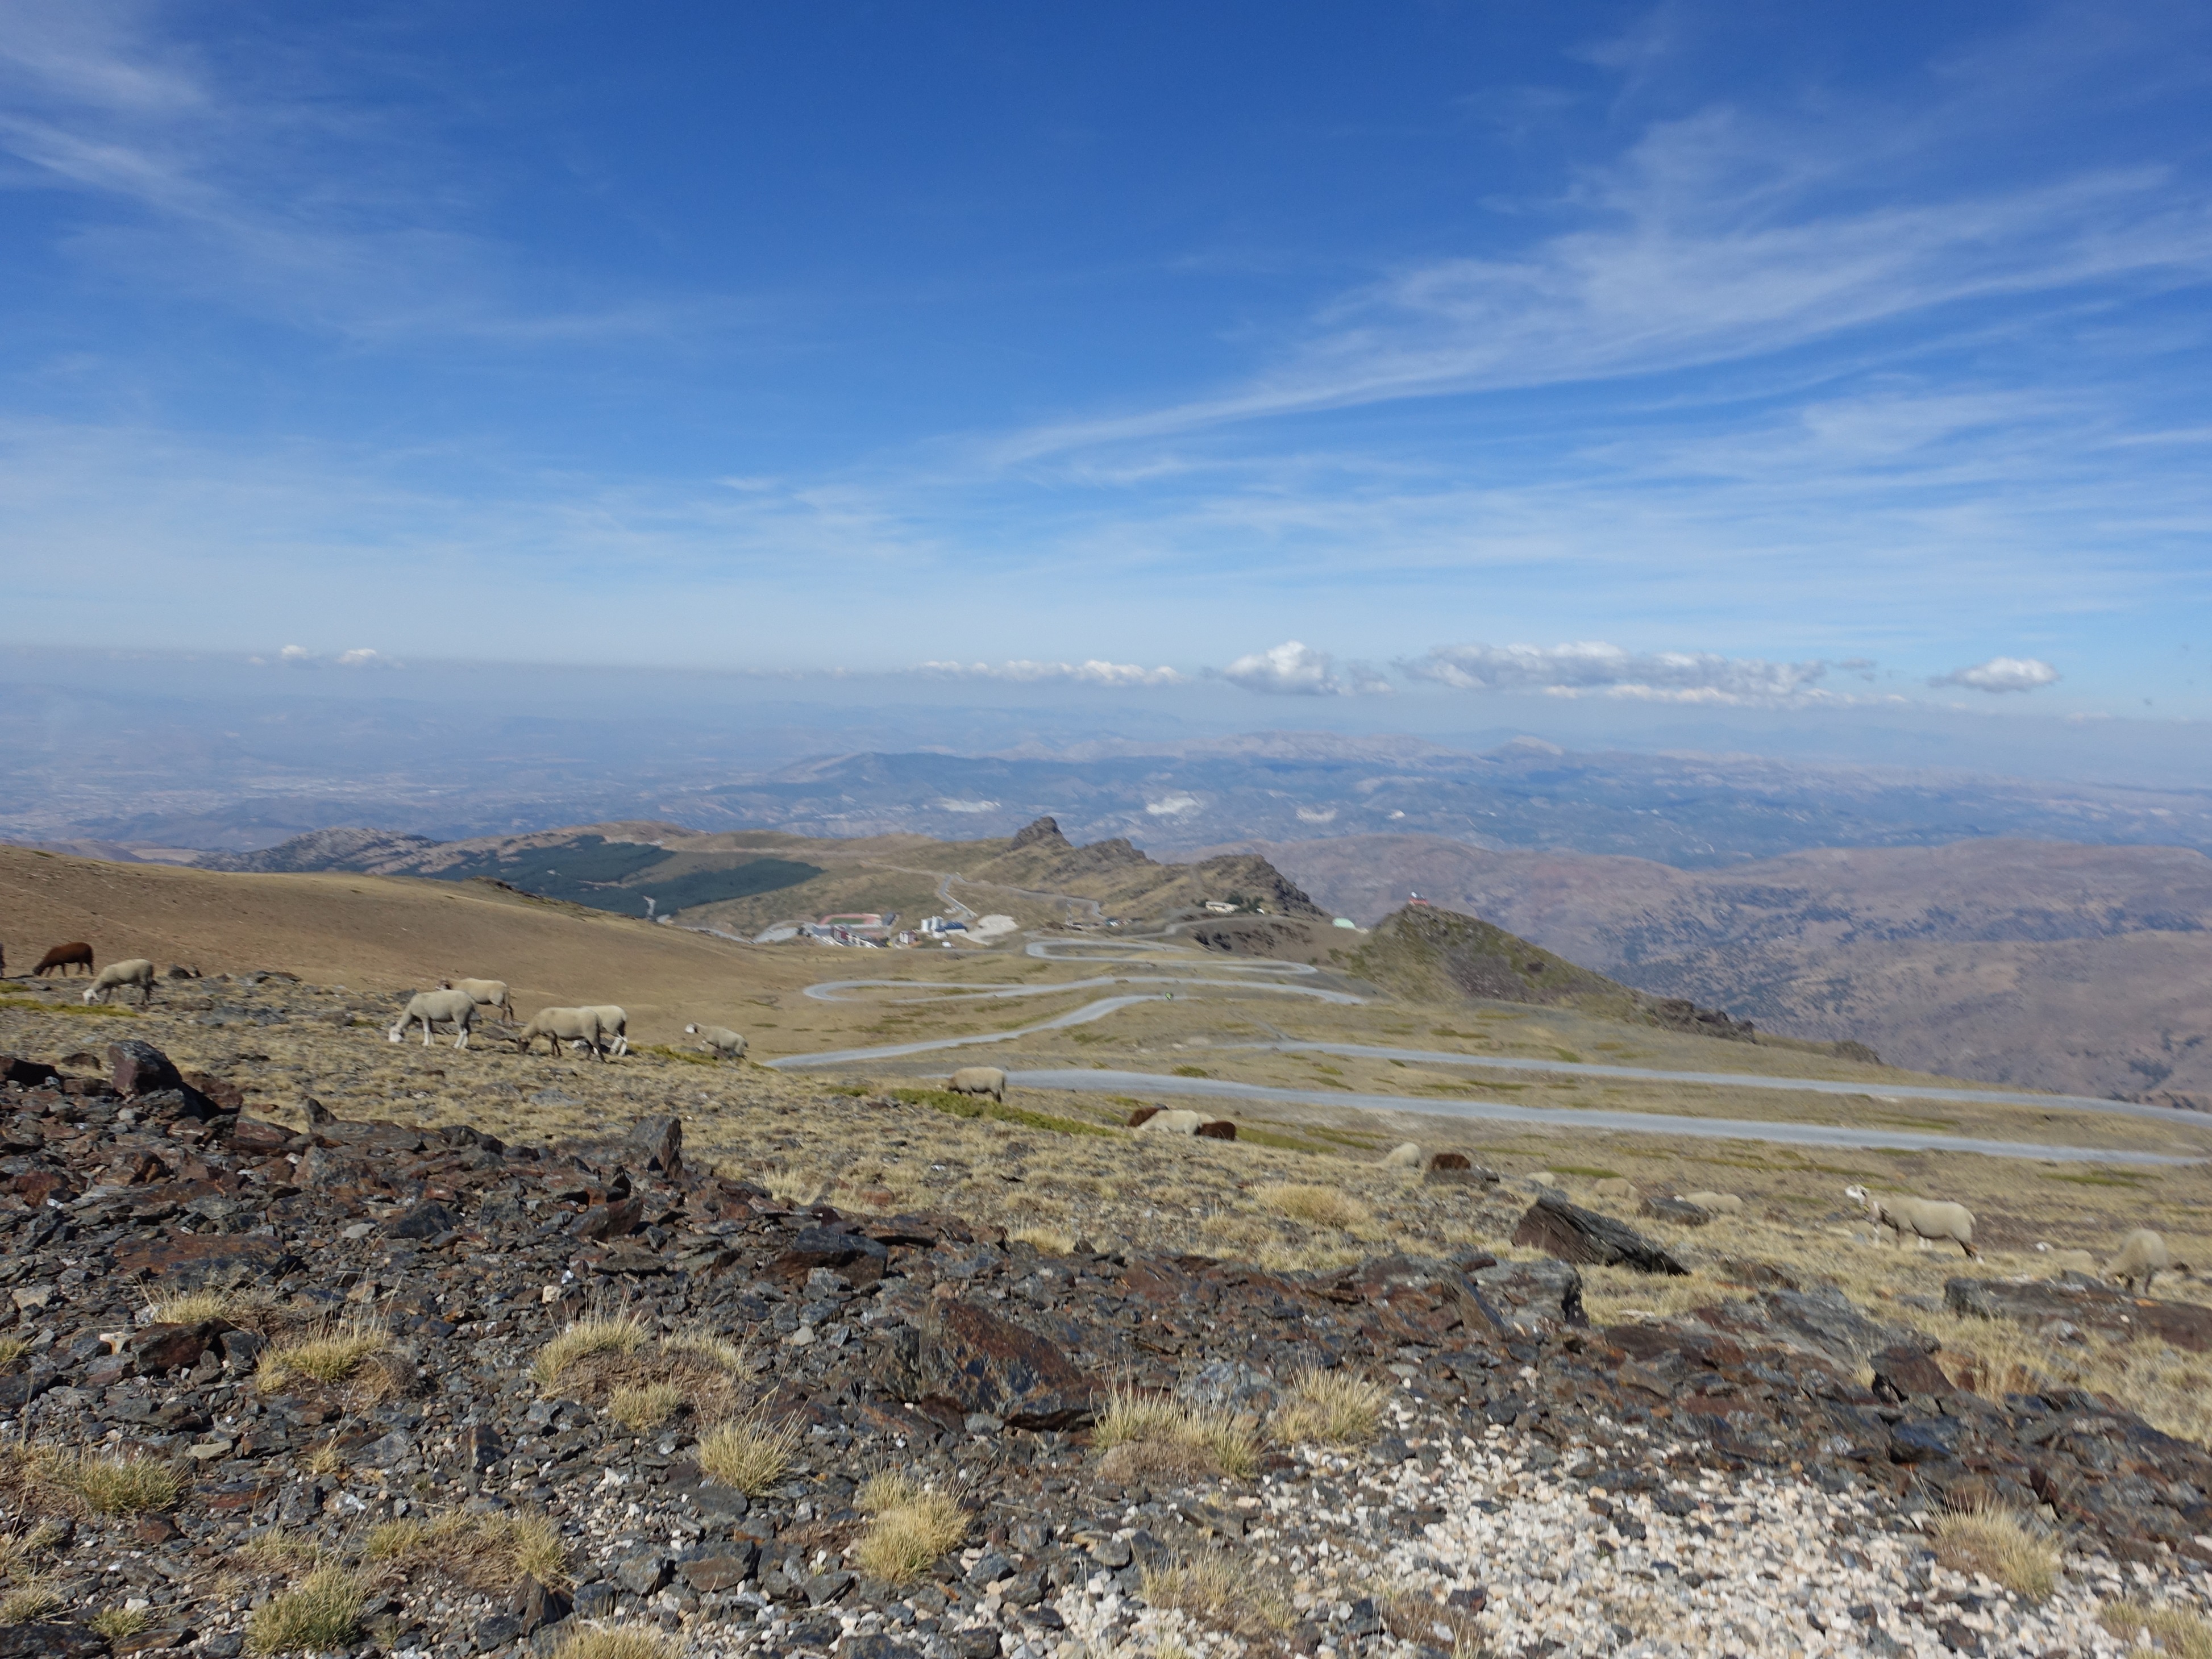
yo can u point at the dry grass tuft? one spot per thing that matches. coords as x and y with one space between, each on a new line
278 1552
1995 1543
247 1309
331 1358
584 1339
484 1552
325 1460
704 1345
1216 1590
617 1642
13 1348
2181 1635
1052 1241
912 1528
115 1623
749 1452
86 1483
1334 1407
321 1613
643 1407
1318 1207
32 1598
1155 1434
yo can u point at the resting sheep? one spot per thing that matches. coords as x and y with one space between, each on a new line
137 971
979 1080
1407 1155
719 1041
2142 1257
454 1008
560 1025
488 993
1178 1122
1712 1203
1926 1219
63 958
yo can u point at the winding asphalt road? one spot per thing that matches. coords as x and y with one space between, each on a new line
1087 1081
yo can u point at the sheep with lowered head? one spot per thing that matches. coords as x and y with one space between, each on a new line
560 1025
1407 1155
488 993
2142 1257
1926 1219
719 1041
1178 1121
112 978
454 1008
614 1027
979 1080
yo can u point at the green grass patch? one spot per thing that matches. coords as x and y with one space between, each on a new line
2101 1178
1587 1171
686 1056
1192 1070
954 1105
90 1010
1280 1142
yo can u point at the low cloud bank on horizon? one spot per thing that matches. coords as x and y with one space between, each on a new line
1581 668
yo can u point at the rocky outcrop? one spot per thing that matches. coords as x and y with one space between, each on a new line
1571 1233
2084 1303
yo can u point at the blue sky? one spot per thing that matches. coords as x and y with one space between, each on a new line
1744 356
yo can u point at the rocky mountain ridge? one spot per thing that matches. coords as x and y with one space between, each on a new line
456 1467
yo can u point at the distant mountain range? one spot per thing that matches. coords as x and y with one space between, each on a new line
2051 966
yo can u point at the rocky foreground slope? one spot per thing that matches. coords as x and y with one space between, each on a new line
270 1388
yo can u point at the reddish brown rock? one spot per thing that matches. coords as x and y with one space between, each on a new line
1901 1372
191 1256
1571 1233
992 1365
139 1068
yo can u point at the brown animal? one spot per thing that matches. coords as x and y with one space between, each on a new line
1220 1129
76 954
1143 1114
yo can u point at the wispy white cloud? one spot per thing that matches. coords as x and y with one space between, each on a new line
1592 667
2002 674
1294 669
1094 672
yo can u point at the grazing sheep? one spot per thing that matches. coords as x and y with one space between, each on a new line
1615 1187
454 1008
1712 1203
1171 1123
1143 1114
560 1025
719 1040
614 1027
1926 1219
63 958
979 1080
2142 1257
1407 1155
1220 1129
137 971
488 993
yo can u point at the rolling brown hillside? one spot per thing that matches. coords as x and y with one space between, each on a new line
377 934
2040 964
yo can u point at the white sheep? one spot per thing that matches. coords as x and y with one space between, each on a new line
1407 1155
560 1025
1926 1218
2142 1257
719 1040
1712 1203
614 1028
488 993
979 1080
454 1008
1177 1122
137 971
2068 1261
